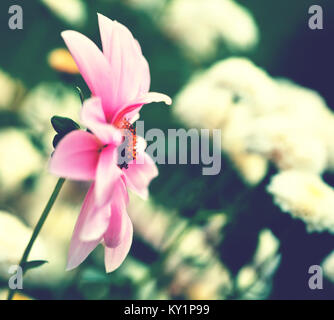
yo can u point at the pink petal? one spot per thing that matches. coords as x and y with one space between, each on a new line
79 250
92 111
107 174
141 171
117 224
129 67
152 97
134 106
113 257
93 67
76 156
93 117
95 223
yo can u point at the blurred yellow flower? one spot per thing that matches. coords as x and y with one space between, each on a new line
17 296
61 60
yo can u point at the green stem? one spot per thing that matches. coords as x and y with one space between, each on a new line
38 228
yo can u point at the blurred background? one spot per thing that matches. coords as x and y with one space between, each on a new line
253 69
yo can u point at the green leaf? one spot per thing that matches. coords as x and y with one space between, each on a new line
56 139
64 125
33 264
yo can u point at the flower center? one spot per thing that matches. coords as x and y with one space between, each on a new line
128 153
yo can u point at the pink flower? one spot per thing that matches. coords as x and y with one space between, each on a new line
119 80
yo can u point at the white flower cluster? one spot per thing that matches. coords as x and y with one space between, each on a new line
268 120
198 25
305 195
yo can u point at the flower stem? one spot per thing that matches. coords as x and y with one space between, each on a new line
38 228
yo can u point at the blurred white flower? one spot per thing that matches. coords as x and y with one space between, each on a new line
59 226
328 266
46 101
198 24
296 134
261 118
246 277
14 237
250 84
211 95
152 6
288 143
19 159
254 280
73 12
202 103
230 95
252 167
8 89
305 196
267 246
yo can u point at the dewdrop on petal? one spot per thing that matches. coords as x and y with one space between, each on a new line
304 196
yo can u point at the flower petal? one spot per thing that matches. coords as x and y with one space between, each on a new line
76 156
107 174
134 106
130 68
92 111
113 257
93 66
93 117
79 250
141 171
116 228
96 222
